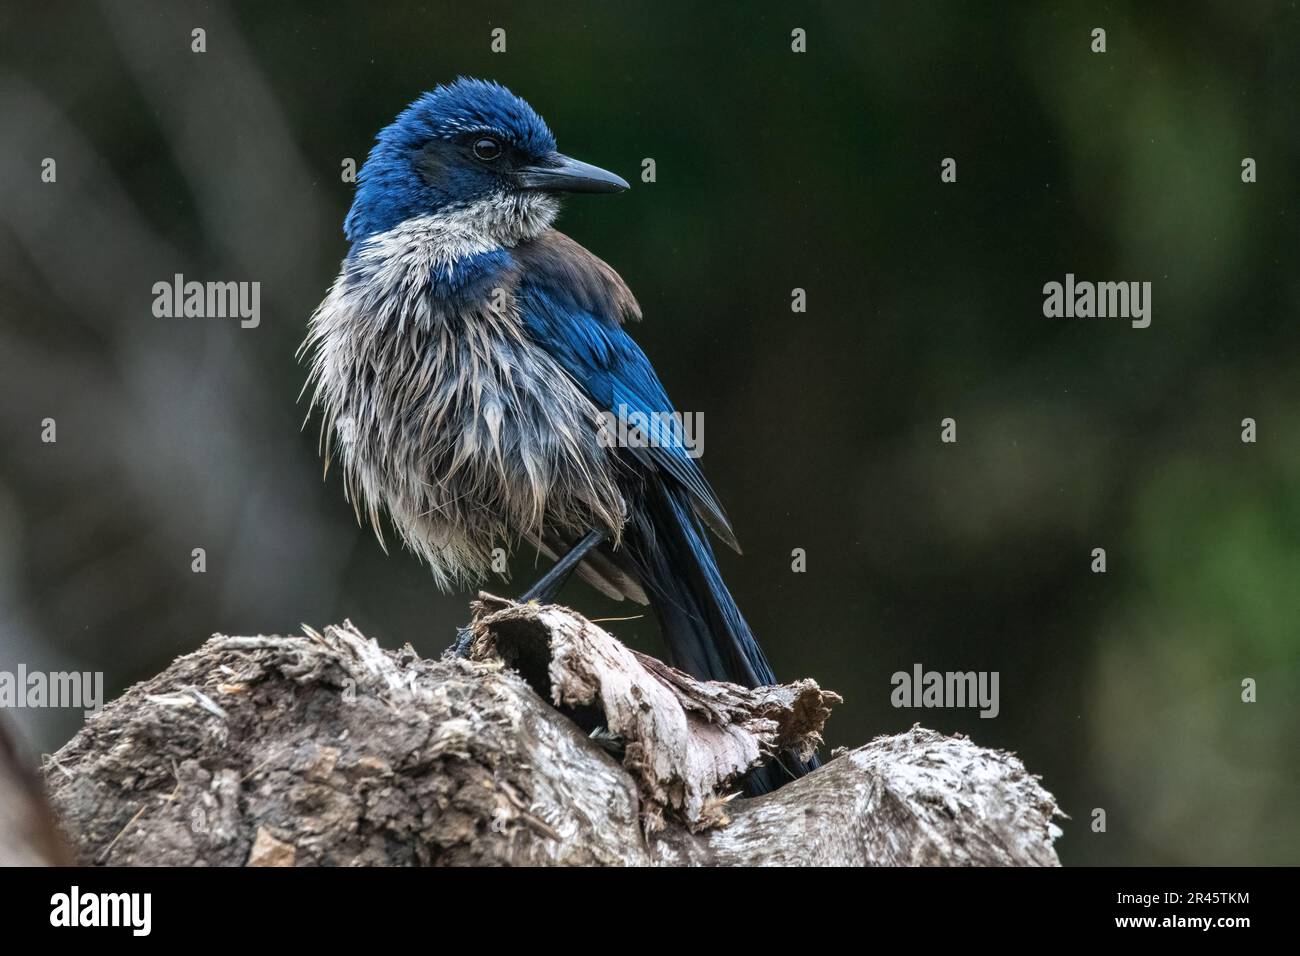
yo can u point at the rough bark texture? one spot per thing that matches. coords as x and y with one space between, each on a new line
326 749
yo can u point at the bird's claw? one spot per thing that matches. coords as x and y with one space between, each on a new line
460 647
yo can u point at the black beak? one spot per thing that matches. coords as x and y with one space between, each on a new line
561 174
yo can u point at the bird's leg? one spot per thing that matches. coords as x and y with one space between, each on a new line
548 586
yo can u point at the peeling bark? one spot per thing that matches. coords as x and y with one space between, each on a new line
684 741
325 749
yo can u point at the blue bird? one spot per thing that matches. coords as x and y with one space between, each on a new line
467 361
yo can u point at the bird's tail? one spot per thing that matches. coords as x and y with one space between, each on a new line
703 628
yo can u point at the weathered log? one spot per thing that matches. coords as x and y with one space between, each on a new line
327 749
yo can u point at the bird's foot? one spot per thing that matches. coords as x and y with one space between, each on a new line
460 648
607 740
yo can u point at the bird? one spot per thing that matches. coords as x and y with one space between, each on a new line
466 363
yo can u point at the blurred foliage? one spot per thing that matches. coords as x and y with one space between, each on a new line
775 171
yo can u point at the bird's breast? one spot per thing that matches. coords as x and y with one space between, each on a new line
446 414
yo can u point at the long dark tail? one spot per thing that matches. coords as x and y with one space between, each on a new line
705 632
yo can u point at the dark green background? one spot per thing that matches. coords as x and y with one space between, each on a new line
775 171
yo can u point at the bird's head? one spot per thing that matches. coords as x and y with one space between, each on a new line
476 155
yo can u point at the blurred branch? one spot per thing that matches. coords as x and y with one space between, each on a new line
327 749
28 834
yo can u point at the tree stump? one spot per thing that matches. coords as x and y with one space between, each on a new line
551 744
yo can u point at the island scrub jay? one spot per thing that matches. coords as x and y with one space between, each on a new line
464 357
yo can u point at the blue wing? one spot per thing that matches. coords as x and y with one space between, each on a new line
573 305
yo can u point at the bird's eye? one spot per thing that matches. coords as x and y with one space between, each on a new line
487 149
